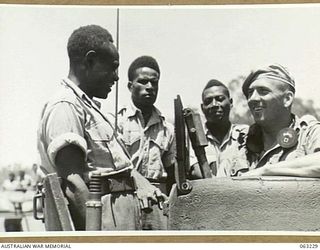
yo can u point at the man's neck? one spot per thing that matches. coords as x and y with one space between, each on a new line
76 81
271 132
219 130
73 78
146 112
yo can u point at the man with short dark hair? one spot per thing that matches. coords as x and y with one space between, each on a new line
225 151
76 139
148 136
279 143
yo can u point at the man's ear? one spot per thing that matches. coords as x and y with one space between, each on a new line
129 85
288 99
90 58
231 102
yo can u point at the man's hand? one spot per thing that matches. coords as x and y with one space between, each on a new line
147 194
306 166
254 172
195 172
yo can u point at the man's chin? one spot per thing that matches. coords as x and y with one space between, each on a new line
148 102
260 120
102 96
215 119
216 122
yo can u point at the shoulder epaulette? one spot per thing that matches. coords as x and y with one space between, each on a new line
122 111
242 127
308 120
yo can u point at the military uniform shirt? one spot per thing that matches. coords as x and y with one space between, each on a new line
152 147
229 157
308 131
70 117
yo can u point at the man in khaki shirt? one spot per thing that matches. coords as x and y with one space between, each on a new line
76 139
147 135
279 143
226 141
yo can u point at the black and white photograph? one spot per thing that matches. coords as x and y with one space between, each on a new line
166 119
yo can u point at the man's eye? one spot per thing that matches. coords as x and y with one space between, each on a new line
263 91
207 101
220 98
144 82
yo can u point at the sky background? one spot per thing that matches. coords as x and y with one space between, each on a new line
191 45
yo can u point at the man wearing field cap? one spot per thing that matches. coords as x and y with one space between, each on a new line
279 142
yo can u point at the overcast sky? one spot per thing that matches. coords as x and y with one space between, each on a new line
192 45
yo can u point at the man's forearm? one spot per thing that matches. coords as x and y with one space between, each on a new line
140 181
306 166
146 192
70 166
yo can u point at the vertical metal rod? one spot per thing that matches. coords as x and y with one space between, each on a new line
117 83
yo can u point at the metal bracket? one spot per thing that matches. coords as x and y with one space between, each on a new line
39 196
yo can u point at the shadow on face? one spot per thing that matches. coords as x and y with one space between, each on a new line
144 87
100 72
216 104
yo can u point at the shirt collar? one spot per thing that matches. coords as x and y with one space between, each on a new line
231 134
296 123
67 82
132 110
255 141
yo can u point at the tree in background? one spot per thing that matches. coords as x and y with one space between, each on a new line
240 112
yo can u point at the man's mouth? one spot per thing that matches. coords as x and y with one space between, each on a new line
148 95
257 110
216 112
109 86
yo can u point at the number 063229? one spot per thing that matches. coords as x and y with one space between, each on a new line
309 246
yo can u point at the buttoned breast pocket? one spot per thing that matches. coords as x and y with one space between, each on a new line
99 137
160 140
130 137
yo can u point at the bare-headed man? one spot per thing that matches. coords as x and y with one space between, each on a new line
226 141
148 136
75 138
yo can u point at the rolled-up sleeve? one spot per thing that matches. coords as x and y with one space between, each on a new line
64 127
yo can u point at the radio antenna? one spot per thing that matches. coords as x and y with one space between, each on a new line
117 82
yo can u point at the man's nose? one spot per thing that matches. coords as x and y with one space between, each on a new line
254 96
214 103
149 85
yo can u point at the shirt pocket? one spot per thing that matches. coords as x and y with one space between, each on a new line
98 138
160 140
130 137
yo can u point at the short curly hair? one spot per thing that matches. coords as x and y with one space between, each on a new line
140 62
86 38
213 83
